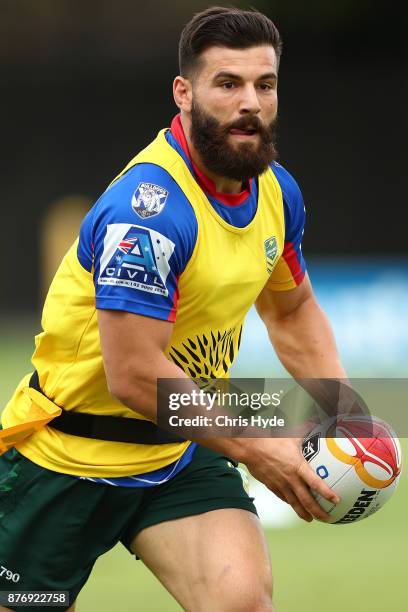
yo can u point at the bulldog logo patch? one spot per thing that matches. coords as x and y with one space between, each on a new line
149 200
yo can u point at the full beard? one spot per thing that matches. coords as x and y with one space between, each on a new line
240 162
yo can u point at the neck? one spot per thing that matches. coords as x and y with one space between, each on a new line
222 184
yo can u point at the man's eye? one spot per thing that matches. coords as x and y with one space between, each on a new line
227 85
266 86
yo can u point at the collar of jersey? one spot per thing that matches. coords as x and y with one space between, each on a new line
206 184
167 139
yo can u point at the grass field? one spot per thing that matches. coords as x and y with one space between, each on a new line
317 568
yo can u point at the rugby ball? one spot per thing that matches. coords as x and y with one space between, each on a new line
359 457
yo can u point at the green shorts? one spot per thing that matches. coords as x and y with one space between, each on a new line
53 527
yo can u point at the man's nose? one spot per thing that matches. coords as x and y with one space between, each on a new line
249 102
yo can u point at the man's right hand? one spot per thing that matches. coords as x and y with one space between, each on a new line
279 464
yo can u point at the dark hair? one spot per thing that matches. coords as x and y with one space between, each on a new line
225 27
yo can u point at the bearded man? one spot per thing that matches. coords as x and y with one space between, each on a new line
162 293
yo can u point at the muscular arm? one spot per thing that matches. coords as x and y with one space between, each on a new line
133 354
300 332
133 351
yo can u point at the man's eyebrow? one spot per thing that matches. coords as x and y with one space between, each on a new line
224 74
267 75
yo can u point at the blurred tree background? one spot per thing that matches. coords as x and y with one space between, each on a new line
84 85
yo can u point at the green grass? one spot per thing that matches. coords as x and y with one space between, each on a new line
317 568
16 347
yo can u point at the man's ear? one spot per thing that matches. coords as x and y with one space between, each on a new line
183 93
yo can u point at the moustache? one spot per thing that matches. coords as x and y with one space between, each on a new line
247 123
253 124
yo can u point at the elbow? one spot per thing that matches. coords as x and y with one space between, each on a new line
133 382
123 383
133 389
119 389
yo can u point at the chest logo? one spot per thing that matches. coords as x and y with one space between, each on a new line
148 200
271 252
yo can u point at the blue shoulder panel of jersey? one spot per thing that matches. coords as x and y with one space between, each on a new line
141 234
85 246
295 215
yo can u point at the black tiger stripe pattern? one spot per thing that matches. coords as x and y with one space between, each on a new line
202 356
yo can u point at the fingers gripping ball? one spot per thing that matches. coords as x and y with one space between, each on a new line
360 459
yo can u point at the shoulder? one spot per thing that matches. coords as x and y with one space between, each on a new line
147 204
146 195
291 192
293 205
146 190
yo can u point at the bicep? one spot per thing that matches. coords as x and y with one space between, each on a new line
131 344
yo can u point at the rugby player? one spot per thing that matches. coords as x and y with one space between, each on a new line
199 226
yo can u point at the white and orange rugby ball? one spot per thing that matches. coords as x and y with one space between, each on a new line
360 459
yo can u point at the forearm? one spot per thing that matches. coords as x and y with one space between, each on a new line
305 344
140 392
137 386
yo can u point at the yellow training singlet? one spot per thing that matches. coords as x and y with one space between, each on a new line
123 258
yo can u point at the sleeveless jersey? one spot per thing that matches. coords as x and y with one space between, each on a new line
213 283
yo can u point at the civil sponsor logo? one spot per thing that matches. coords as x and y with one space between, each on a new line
149 199
271 251
364 501
311 447
135 257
